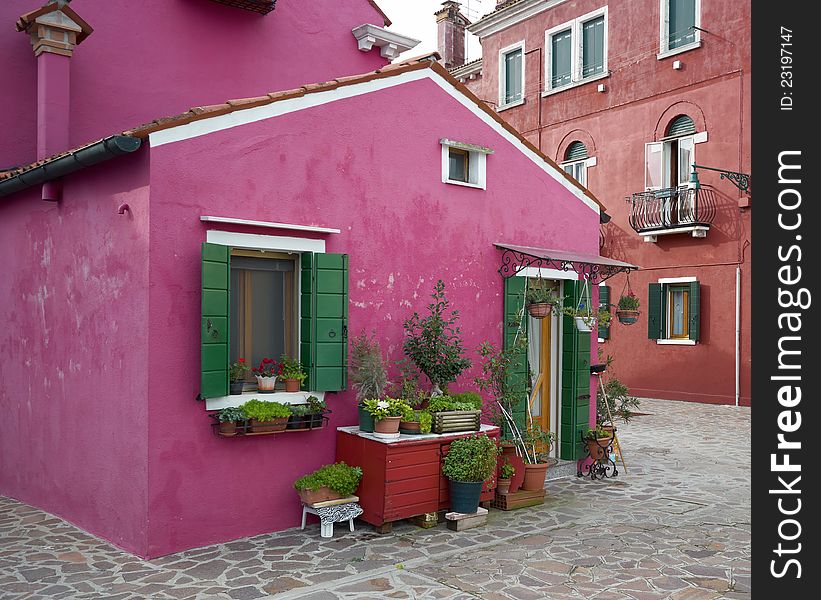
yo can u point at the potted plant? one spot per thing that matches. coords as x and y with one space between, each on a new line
469 462
456 413
300 417
408 390
536 446
506 473
317 409
627 310
434 344
329 482
540 299
386 414
292 372
228 419
266 374
598 442
236 375
369 376
266 416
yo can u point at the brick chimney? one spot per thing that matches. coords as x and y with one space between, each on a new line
451 25
55 30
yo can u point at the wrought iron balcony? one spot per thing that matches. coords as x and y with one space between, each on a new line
672 210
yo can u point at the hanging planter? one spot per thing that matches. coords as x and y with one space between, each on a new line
539 310
627 310
541 296
627 317
584 324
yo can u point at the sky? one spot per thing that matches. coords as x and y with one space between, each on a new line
415 18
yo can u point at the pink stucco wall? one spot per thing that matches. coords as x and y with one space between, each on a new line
370 166
159 57
74 351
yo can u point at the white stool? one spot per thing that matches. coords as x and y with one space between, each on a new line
326 524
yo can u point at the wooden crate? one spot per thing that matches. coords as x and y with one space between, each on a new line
519 499
456 420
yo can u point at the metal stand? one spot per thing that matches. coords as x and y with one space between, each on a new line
616 444
601 466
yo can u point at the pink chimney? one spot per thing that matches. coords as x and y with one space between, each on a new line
55 30
451 24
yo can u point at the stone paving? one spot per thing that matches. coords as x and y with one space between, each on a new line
675 525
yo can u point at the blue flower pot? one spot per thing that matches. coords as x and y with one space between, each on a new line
464 497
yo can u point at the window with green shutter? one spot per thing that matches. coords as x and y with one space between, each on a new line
604 304
575 393
514 330
561 58
258 314
593 47
674 311
681 23
513 76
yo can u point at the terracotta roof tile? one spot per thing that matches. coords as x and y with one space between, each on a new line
381 12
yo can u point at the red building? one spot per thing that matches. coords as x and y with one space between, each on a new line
629 95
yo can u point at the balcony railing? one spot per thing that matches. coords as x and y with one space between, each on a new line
671 208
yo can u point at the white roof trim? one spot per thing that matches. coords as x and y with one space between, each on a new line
467 69
496 21
290 105
391 43
269 224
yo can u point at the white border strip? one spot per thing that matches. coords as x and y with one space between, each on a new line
542 273
676 279
252 241
269 224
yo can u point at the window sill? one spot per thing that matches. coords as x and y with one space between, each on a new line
279 396
575 84
676 342
687 48
464 184
503 107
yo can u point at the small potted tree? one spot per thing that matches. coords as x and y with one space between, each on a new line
468 464
506 473
541 297
236 375
266 374
228 419
536 446
627 310
386 414
329 482
369 376
266 417
292 373
434 342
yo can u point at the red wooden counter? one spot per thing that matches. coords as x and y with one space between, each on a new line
402 478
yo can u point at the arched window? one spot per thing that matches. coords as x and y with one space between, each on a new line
575 161
681 125
668 163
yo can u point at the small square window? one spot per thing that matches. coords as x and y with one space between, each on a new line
459 165
464 163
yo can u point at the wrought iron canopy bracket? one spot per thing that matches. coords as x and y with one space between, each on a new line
740 180
513 262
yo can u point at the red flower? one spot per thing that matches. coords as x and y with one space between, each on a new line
242 360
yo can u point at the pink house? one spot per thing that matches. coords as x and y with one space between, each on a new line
351 197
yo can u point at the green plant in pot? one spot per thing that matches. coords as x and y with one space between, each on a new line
506 473
317 410
329 482
228 419
468 464
541 297
386 414
434 342
292 373
236 375
536 446
627 310
266 417
368 375
300 417
407 389
598 442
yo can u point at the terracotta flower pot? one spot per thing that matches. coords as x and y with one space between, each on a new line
266 384
387 425
322 494
268 426
228 428
627 317
410 427
503 486
292 385
534 477
539 310
598 447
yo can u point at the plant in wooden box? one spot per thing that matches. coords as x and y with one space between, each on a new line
369 376
386 414
266 374
452 415
506 473
292 373
469 462
536 446
434 344
266 417
541 297
329 482
236 375
228 419
598 443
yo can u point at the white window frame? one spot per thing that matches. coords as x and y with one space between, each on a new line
666 282
502 69
664 26
667 147
583 163
577 52
477 167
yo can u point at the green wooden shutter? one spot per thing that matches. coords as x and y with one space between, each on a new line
604 304
324 321
561 58
518 379
694 310
655 314
575 406
682 17
214 335
681 125
593 47
575 151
